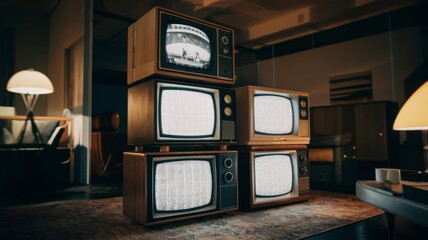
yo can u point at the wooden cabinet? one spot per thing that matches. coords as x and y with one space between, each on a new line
370 124
371 132
332 119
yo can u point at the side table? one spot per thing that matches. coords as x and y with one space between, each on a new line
392 202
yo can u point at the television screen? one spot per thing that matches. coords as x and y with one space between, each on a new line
187 46
273 114
273 175
183 185
187 112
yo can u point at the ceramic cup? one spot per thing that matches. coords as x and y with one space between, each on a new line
388 174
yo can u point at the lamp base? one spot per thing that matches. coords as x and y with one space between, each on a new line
36 133
425 149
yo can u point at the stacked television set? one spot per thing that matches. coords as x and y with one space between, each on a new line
181 119
272 135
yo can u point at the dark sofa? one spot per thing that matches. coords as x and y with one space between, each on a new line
28 167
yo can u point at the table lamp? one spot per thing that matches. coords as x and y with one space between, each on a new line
30 84
414 113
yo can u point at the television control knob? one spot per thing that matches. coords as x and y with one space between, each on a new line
228 177
227 99
303 113
228 111
228 162
303 158
225 40
303 170
303 103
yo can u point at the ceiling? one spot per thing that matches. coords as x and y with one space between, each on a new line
257 22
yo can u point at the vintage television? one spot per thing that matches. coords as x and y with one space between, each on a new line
267 116
160 187
272 177
170 44
165 113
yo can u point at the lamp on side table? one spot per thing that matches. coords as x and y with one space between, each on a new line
407 201
414 116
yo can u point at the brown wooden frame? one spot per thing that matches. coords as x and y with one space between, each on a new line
144 56
135 187
246 194
142 128
245 134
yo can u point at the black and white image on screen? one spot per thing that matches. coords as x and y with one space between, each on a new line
187 46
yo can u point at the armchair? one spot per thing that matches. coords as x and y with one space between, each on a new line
107 145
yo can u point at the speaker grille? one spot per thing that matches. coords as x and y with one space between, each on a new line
227 130
228 197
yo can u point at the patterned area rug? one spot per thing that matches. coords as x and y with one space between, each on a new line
103 219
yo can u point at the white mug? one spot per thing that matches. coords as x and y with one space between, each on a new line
388 174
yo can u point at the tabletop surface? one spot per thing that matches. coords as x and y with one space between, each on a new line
390 199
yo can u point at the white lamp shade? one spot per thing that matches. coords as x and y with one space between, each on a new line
414 113
29 82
